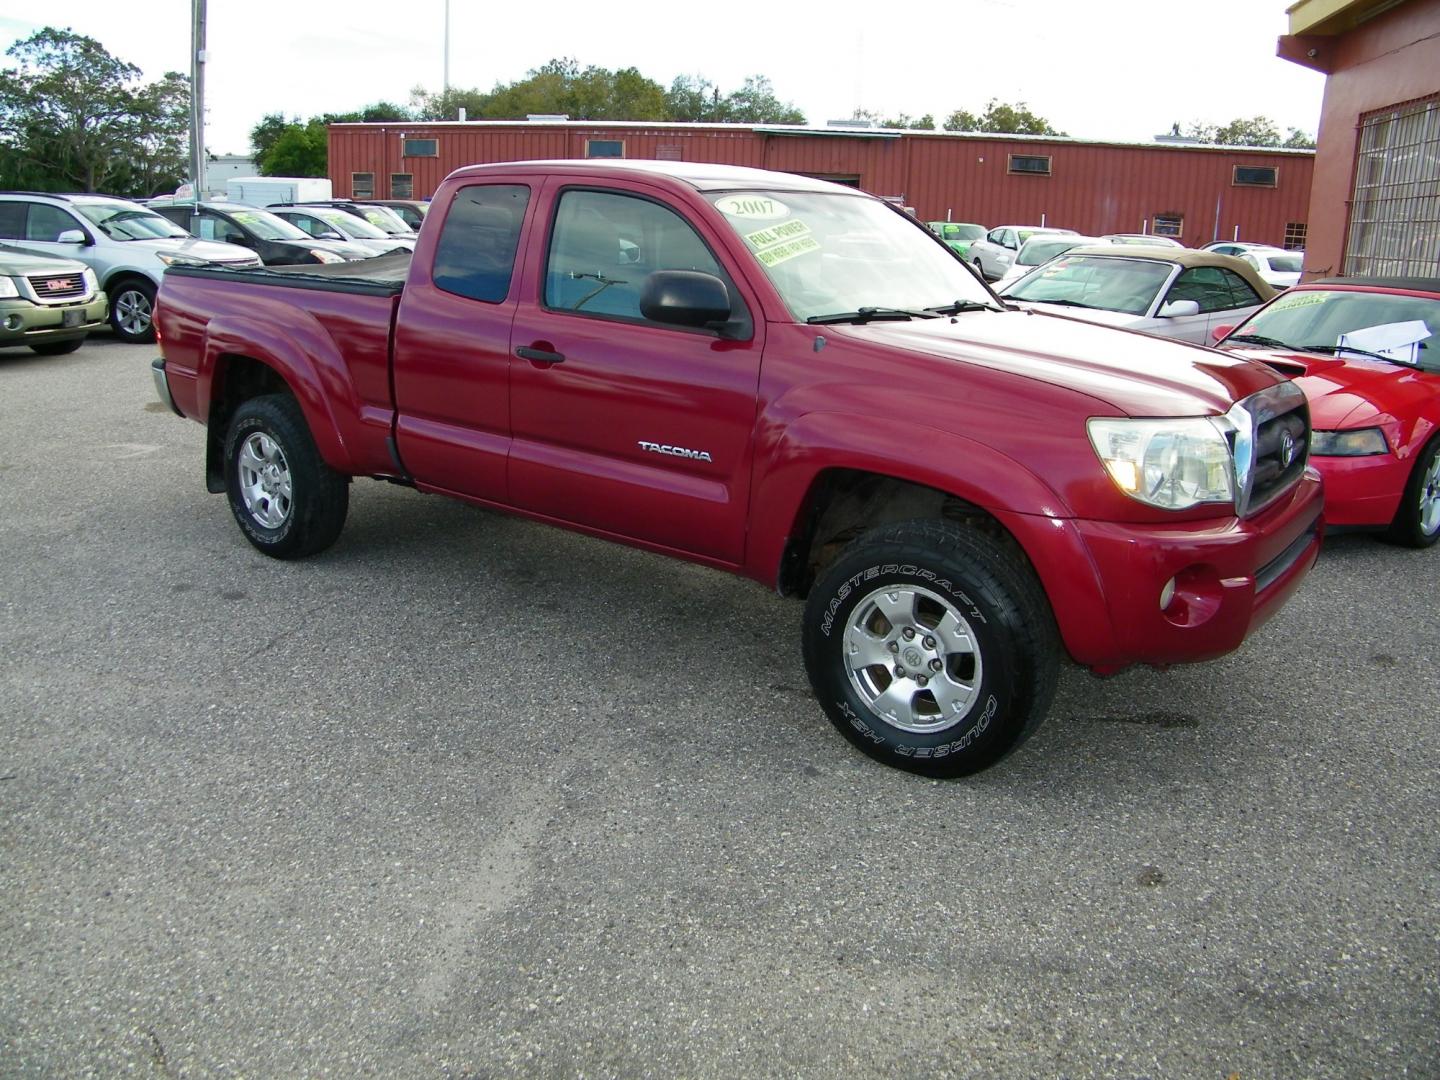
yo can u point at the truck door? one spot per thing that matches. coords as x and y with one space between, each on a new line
452 343
631 427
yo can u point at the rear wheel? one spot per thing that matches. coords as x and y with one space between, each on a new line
58 348
286 500
132 311
1417 522
931 647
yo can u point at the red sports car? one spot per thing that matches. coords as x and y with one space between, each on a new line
1364 351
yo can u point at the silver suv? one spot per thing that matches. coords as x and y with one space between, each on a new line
126 245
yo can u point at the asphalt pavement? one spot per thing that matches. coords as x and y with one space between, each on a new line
467 796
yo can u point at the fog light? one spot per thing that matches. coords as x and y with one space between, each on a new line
1167 594
12 322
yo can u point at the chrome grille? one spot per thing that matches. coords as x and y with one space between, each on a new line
1270 441
54 288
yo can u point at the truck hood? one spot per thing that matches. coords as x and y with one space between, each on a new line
1136 374
14 262
1350 392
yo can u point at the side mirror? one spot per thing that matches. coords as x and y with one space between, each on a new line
71 236
1220 332
328 235
1178 309
685 298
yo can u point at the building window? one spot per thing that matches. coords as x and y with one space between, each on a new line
604 148
1394 215
1254 176
362 185
668 152
402 185
1168 224
420 148
1295 236
1030 164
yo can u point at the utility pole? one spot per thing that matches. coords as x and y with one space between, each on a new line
447 53
197 97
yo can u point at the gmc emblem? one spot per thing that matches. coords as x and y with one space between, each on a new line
57 284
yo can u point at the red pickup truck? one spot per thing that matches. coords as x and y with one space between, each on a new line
785 379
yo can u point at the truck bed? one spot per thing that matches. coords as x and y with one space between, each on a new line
383 275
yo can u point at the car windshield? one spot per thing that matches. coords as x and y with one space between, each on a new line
125 221
961 231
1346 322
347 224
828 254
1095 281
385 219
1284 264
1038 249
267 226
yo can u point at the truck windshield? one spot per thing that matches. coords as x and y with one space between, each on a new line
126 221
828 253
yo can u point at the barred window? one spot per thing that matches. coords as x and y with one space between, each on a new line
1168 224
1031 164
1395 216
1295 236
362 185
402 185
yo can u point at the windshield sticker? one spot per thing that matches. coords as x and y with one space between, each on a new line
1398 341
758 207
1301 300
773 256
777 234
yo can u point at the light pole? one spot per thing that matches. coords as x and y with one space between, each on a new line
197 97
447 53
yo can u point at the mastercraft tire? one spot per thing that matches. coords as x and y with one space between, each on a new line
1417 522
132 311
286 500
931 647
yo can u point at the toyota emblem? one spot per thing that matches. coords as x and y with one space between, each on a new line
1287 449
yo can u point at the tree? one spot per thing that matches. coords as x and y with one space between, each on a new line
904 121
756 103
1001 119
72 115
693 99
299 151
1256 131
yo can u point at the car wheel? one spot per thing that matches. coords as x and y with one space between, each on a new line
979 268
58 348
931 647
1417 522
132 311
287 501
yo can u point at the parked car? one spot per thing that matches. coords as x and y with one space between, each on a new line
127 245
1040 248
328 223
995 254
1365 352
1277 267
1234 247
276 241
709 361
382 217
1175 294
410 211
1142 239
47 303
958 234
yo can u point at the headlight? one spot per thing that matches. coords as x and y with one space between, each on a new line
171 259
91 284
323 256
7 288
1362 442
1172 464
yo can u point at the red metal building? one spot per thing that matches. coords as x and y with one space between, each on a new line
1375 202
1195 193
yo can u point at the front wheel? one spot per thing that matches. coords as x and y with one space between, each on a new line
132 311
286 500
1417 522
57 348
931 647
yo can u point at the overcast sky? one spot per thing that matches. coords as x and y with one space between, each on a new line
1110 69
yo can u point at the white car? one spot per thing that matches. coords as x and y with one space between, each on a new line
1179 294
1235 247
1142 239
1040 248
1277 267
995 253
328 223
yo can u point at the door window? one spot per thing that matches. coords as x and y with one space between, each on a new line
475 257
604 245
1241 294
1206 285
47 223
217 228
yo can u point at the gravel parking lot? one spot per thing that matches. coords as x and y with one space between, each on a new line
467 796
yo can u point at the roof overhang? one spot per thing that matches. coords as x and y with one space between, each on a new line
1331 17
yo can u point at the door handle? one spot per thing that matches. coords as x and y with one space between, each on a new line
543 356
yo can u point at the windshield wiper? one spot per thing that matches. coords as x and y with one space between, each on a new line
1259 339
1057 303
1336 350
870 314
960 306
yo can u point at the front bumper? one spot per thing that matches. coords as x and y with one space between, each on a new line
24 323
162 385
1105 580
1363 491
